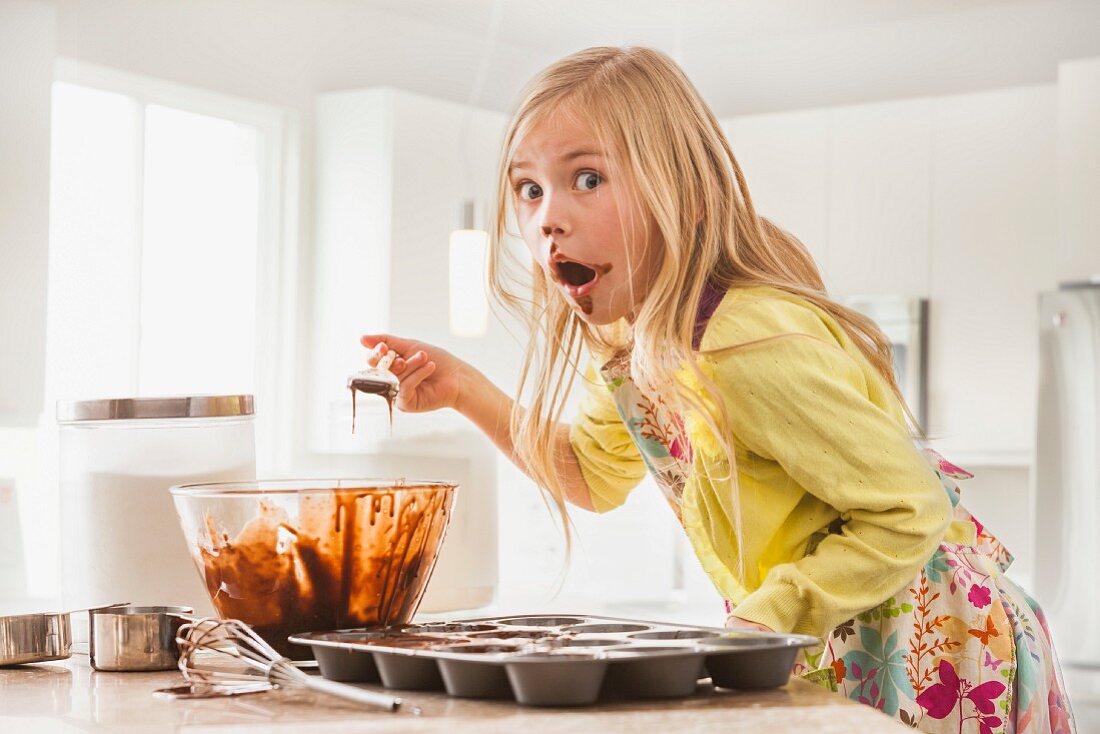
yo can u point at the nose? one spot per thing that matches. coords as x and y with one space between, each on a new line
555 217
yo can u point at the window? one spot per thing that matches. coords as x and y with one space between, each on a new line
172 261
171 254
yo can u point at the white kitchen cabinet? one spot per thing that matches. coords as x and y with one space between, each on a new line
1079 169
785 159
993 215
879 169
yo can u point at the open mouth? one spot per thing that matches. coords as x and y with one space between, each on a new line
577 279
573 273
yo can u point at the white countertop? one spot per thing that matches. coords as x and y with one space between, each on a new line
68 696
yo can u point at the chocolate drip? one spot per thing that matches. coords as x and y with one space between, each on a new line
385 390
356 558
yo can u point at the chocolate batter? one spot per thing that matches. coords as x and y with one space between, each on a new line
357 558
371 387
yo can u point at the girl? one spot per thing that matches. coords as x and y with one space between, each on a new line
767 412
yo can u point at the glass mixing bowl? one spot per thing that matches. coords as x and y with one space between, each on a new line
308 555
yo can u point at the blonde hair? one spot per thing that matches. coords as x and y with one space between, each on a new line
645 111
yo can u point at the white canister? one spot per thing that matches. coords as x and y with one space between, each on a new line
121 538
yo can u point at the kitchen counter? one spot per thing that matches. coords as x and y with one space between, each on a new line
69 696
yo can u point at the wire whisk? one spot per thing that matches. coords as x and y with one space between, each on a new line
228 653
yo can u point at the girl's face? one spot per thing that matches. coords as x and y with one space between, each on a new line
579 223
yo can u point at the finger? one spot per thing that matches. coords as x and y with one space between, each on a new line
413 362
394 342
417 376
417 360
377 352
370 340
386 360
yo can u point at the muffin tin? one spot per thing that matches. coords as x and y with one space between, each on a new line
555 660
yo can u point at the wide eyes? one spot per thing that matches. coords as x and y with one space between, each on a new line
585 181
530 190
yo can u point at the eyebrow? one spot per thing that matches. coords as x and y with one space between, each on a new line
565 158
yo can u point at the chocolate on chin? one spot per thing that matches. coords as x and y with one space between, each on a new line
355 558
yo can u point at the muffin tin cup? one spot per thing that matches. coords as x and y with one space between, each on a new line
408 672
473 679
556 660
550 679
674 673
469 677
748 664
346 666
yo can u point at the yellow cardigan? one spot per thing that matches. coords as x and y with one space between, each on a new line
839 508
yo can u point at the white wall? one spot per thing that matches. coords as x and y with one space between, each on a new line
26 73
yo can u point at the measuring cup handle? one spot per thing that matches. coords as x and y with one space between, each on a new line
92 610
190 617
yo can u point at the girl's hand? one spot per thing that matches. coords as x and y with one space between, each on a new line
736 623
431 378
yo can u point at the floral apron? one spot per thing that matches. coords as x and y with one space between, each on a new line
959 649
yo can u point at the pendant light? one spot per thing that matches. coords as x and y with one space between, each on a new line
469 250
469 244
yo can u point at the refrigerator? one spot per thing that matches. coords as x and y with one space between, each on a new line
904 323
1067 470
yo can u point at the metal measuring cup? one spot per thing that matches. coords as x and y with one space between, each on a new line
35 638
39 637
131 638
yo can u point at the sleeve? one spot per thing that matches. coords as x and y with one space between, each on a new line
609 460
802 401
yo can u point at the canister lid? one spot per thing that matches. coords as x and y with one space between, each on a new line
194 406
